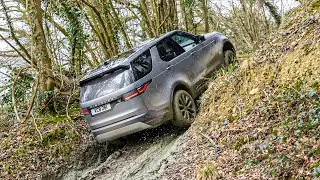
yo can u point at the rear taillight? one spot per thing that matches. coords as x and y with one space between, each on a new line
136 92
143 88
130 95
84 111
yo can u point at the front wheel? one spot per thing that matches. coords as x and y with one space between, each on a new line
229 57
184 109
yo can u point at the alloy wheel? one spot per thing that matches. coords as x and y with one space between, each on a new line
186 107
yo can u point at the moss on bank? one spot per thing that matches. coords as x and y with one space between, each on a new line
42 146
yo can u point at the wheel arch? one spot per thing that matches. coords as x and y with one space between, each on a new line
181 86
227 45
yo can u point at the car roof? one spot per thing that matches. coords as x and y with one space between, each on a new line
142 47
133 53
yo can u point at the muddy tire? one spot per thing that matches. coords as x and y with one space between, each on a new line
229 57
184 109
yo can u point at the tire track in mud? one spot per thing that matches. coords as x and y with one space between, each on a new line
145 156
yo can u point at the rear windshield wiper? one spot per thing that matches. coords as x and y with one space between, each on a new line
98 75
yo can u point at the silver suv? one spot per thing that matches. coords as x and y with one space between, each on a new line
151 84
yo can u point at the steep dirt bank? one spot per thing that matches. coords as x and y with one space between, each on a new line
262 121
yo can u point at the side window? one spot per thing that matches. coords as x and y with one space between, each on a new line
168 50
184 41
142 65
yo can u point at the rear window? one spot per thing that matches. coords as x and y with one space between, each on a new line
105 85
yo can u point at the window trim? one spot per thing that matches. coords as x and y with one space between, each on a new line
191 36
174 44
136 78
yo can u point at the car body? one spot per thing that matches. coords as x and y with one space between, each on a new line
136 90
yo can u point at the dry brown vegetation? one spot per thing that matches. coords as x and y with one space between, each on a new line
262 120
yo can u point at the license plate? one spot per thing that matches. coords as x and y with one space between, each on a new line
100 109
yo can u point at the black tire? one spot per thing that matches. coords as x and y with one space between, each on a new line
229 57
184 109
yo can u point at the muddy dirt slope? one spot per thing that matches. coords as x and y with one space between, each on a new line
145 155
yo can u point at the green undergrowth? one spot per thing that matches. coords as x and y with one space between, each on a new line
42 145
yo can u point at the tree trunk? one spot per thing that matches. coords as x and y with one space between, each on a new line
205 15
156 16
102 24
146 19
174 15
184 14
120 24
96 30
44 63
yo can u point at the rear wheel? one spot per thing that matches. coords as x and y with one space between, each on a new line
184 109
229 57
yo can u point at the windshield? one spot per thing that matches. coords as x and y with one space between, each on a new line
105 85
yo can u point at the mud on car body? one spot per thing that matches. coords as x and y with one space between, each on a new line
151 84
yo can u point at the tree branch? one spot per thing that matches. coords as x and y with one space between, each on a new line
34 95
24 58
12 30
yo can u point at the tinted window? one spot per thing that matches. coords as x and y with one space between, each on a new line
106 84
142 65
169 49
186 42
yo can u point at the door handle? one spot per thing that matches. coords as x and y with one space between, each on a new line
169 67
192 53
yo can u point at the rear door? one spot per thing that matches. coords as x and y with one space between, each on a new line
193 56
175 64
165 56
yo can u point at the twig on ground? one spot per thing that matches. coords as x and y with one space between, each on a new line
35 125
208 138
13 95
34 95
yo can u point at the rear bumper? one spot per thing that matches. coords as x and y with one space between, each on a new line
125 127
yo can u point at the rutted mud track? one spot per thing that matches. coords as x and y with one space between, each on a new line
145 155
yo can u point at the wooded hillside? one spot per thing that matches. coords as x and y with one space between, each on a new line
47 46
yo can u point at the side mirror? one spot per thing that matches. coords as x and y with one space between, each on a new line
200 38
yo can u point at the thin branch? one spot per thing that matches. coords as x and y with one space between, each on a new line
34 95
161 24
36 126
24 58
13 95
6 75
8 19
